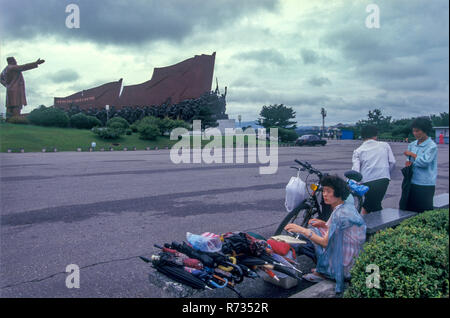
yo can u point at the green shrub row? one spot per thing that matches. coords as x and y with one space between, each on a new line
151 127
287 135
413 260
108 133
18 120
49 116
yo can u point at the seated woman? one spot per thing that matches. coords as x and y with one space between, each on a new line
335 244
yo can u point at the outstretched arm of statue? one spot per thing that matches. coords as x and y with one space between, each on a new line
26 67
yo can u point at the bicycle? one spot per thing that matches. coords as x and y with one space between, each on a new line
310 207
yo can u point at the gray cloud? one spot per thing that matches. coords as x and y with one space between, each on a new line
309 56
290 56
319 81
263 56
62 76
123 22
263 96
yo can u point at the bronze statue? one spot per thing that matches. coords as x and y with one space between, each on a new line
12 79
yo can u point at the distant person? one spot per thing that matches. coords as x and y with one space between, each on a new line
422 155
12 78
375 161
441 138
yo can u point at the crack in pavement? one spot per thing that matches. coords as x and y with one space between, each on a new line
37 280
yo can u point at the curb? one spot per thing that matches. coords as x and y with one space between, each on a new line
324 289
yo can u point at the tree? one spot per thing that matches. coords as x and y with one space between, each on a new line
440 120
375 117
205 114
277 116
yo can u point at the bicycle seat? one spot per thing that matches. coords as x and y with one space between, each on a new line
354 175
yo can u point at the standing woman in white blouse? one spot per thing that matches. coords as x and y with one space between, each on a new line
375 161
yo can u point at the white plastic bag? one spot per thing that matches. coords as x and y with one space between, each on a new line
295 193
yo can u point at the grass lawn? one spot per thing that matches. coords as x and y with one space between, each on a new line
33 138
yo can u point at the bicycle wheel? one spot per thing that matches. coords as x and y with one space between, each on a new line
301 213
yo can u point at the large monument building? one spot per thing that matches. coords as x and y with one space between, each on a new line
170 85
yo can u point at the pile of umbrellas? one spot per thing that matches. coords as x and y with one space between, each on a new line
241 255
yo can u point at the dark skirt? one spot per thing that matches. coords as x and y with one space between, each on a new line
373 197
420 198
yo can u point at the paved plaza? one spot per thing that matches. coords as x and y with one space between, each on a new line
102 210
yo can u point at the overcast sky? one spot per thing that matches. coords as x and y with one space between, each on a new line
302 53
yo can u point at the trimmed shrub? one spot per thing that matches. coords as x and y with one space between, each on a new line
287 135
83 121
94 122
162 126
118 122
49 116
166 125
436 220
128 132
18 120
116 125
150 120
108 133
148 131
412 259
134 127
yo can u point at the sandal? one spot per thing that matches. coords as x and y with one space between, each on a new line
313 278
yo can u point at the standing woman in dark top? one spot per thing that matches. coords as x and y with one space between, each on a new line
422 155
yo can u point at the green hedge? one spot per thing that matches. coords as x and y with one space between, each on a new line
150 127
118 122
108 133
148 131
413 260
83 121
49 116
287 135
18 120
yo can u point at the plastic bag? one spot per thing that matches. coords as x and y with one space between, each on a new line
359 189
207 242
295 193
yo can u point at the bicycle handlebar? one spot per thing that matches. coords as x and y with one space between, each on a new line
310 169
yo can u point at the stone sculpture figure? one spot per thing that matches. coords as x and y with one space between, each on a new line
12 78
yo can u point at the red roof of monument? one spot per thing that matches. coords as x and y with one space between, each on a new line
185 80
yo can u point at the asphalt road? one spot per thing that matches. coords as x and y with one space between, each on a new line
101 210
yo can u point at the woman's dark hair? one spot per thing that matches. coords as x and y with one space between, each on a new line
369 131
338 184
422 123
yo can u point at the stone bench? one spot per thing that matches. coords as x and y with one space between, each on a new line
440 201
385 218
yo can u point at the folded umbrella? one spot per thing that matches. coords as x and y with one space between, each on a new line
406 186
180 275
175 272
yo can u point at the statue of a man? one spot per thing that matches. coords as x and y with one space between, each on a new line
12 79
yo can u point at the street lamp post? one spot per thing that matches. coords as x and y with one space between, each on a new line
107 112
324 114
